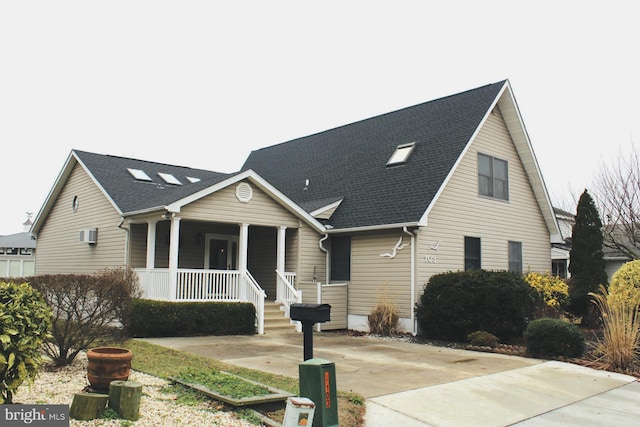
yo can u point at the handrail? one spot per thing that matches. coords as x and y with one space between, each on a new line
256 295
286 293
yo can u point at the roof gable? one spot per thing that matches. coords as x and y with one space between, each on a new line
350 162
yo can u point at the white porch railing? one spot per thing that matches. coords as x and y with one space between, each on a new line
286 294
204 285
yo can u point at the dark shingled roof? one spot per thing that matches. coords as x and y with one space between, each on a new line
350 161
131 195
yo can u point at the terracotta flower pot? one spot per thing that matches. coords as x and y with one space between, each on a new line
108 364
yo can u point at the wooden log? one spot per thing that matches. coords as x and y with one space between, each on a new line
130 400
88 406
115 391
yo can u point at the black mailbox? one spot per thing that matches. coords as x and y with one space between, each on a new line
315 313
308 314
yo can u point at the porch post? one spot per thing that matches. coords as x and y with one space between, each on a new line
151 244
243 248
174 244
280 249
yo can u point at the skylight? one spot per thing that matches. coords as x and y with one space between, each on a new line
169 179
138 174
401 154
192 179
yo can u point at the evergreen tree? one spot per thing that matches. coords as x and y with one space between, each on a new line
586 262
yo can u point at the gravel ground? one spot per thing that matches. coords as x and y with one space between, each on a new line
157 407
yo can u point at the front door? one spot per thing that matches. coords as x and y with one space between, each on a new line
221 252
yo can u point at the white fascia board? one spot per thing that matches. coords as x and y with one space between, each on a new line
517 130
57 187
424 219
260 183
95 181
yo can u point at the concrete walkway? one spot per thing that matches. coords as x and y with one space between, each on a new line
407 384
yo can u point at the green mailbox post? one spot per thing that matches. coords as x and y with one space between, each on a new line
318 383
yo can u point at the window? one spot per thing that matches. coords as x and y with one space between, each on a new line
169 179
139 175
341 258
401 154
493 177
472 253
559 268
515 257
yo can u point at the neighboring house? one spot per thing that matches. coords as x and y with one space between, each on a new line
352 216
17 254
615 257
560 251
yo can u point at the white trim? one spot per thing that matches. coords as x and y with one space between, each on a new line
259 182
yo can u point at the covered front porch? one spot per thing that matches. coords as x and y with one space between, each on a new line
185 260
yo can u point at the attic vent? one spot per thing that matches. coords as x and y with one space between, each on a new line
169 179
192 179
138 174
244 192
401 154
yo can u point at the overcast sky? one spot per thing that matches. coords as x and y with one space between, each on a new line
201 84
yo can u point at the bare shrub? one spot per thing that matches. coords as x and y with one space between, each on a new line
86 308
619 347
384 319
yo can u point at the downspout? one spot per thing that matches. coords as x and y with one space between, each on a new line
413 280
326 258
127 255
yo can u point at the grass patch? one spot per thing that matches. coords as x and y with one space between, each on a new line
164 362
224 383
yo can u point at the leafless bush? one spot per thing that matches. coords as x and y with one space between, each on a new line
86 308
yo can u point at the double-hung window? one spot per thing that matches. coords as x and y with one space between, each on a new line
515 257
340 258
493 177
472 253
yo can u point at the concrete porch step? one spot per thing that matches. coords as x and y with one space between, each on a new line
275 319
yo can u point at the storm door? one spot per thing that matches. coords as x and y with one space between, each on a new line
221 252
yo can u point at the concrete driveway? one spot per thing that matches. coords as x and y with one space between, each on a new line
408 384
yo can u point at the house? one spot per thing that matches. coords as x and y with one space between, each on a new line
560 251
17 253
352 216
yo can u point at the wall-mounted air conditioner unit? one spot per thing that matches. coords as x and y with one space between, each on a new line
89 235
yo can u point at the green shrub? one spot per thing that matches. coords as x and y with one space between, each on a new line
483 339
553 337
384 319
166 319
24 323
86 308
455 304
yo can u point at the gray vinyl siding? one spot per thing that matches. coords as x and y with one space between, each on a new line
379 279
223 206
460 212
59 249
